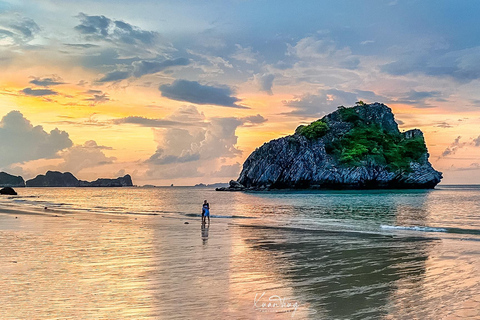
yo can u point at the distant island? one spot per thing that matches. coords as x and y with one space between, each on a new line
359 147
59 179
8 180
212 185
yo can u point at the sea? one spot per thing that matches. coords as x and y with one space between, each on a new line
142 253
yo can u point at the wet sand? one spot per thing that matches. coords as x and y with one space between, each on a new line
59 265
94 266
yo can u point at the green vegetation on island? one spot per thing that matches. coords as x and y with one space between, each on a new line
315 130
366 142
348 114
371 143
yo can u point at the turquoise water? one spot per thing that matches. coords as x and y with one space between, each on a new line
338 254
452 209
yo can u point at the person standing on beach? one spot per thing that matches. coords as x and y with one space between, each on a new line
205 212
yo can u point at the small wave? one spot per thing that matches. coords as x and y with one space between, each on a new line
231 217
41 203
433 229
21 197
372 234
414 228
216 216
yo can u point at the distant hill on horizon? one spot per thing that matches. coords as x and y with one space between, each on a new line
61 179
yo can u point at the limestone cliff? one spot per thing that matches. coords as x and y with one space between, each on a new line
125 181
8 180
351 148
53 179
66 179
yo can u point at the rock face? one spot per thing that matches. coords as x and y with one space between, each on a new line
8 180
54 179
232 186
8 191
351 148
59 179
125 181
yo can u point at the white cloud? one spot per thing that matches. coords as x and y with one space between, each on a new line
196 148
88 155
16 30
323 52
210 64
326 101
20 141
245 54
227 171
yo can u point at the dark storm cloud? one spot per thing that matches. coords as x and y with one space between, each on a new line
141 68
158 158
420 95
443 125
130 34
38 92
257 119
146 122
456 145
194 92
114 76
461 65
104 57
93 24
418 98
103 28
453 147
476 141
97 97
81 45
47 81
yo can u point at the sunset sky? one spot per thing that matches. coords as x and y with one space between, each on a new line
183 91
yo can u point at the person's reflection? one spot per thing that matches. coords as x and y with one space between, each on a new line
205 233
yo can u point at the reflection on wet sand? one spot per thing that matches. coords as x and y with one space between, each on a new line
68 267
215 281
190 278
205 228
341 275
449 288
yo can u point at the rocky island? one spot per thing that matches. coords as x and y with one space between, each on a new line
359 147
66 179
8 180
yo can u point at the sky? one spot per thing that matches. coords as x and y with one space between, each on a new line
181 92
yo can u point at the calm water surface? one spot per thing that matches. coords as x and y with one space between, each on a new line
127 254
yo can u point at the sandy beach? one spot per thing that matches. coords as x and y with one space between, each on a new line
84 266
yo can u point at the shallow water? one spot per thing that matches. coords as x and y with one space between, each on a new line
127 254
